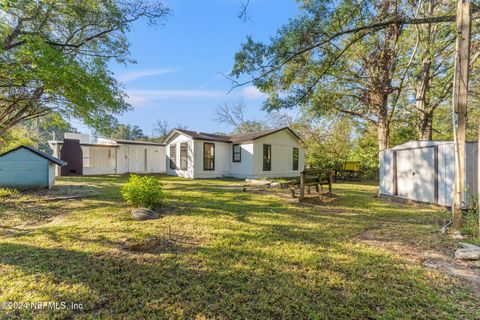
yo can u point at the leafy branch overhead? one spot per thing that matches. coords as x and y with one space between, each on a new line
54 57
356 57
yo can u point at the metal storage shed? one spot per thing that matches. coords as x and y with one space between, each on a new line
424 171
27 167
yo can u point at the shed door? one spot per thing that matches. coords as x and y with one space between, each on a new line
424 174
416 174
405 173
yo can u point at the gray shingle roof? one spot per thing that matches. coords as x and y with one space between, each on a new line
259 134
237 138
204 136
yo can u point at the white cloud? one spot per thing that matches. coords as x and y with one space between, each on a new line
136 100
134 75
139 97
252 93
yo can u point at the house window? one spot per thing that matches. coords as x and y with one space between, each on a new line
295 158
267 157
173 156
184 156
237 153
208 156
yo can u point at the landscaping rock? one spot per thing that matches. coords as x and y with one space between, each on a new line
141 214
467 254
470 246
258 182
275 185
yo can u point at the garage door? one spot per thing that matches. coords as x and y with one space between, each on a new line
416 174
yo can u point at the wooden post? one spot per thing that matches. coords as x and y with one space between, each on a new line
460 95
330 178
292 188
302 185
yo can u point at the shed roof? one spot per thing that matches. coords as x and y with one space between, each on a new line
419 144
39 153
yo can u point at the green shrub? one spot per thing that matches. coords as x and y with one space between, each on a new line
143 191
4 192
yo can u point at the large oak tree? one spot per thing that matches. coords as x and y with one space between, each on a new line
54 57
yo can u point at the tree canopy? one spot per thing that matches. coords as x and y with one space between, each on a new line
54 57
383 62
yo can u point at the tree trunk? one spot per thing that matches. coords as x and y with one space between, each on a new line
425 114
425 126
383 133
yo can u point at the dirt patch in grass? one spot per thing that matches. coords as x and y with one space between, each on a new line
166 209
60 192
439 259
172 243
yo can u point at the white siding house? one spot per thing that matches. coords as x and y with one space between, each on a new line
424 171
173 156
268 153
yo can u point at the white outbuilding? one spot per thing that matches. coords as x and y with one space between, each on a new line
424 171
106 156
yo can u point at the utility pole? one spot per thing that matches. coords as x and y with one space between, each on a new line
478 182
460 95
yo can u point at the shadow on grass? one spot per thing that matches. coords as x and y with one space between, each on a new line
272 260
235 282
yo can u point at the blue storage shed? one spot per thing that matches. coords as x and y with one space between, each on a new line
27 167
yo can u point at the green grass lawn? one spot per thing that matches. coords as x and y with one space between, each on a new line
222 253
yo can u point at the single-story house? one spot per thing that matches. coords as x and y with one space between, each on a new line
267 153
424 171
27 167
106 156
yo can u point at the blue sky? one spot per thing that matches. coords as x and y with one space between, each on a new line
178 78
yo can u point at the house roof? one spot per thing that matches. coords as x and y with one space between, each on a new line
259 134
102 145
122 141
237 138
118 141
39 153
203 136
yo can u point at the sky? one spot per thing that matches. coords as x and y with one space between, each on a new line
179 72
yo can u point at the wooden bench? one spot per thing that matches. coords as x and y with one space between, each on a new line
312 177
